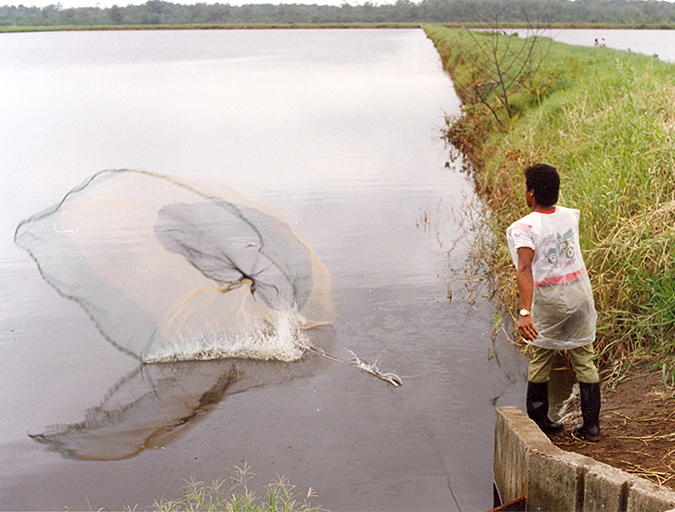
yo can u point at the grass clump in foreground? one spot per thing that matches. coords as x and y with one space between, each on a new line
606 119
236 495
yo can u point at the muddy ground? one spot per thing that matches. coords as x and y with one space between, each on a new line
638 427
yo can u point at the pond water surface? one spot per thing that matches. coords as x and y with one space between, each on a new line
338 131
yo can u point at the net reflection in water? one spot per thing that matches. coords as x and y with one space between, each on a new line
155 404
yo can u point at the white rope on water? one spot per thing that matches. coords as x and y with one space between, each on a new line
355 362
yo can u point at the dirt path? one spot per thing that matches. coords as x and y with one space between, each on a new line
638 428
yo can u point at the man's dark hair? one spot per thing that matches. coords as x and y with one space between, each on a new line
545 182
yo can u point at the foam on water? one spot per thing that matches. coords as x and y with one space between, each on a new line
281 339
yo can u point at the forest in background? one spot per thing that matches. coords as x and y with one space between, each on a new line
611 13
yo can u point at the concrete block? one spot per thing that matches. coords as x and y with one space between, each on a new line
645 496
555 480
605 487
510 470
527 464
516 436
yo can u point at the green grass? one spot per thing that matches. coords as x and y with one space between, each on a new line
606 119
237 495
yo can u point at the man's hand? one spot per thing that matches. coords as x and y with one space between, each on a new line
526 328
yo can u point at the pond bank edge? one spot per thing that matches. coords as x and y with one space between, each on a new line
527 463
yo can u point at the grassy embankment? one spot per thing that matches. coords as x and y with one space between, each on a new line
606 119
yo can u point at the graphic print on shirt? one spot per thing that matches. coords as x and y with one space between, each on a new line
563 248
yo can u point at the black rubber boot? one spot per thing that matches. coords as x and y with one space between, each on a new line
590 411
537 407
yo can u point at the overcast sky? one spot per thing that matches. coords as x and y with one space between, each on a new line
108 3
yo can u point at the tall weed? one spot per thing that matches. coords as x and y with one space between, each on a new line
607 122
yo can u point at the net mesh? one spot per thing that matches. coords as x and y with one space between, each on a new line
176 270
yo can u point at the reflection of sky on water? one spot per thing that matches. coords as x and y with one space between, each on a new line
336 130
150 111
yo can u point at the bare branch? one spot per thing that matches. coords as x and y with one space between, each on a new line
505 64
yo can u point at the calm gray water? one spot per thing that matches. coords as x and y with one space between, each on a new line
338 131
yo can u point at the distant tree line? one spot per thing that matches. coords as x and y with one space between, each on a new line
630 13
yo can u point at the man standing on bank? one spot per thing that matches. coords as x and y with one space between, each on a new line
557 309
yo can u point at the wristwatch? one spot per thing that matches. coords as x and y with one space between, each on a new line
524 312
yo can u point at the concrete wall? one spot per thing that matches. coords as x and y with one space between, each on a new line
528 464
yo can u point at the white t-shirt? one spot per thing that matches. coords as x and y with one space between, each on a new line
562 308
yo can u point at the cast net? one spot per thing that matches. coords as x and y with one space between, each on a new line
176 270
